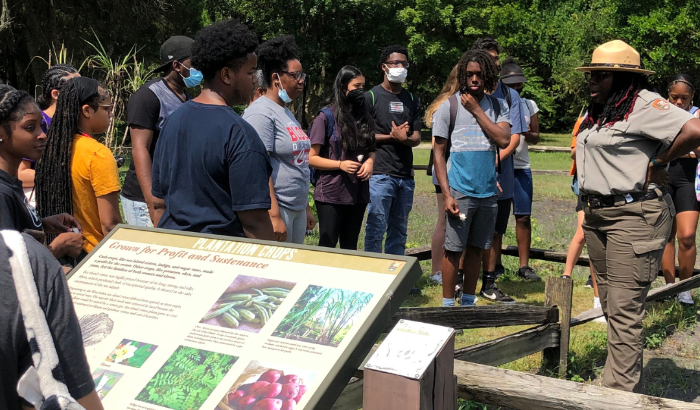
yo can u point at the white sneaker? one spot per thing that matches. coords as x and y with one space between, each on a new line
684 298
596 303
436 279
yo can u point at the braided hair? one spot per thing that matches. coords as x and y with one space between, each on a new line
12 104
54 185
489 70
623 94
53 79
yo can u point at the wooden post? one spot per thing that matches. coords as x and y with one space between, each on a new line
558 292
385 388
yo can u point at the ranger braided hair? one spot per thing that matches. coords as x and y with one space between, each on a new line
12 102
54 185
623 93
489 70
53 79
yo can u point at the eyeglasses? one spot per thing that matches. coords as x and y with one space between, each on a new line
296 75
397 63
598 76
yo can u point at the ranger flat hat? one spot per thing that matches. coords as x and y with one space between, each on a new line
615 55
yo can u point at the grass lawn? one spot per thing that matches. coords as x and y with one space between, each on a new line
555 140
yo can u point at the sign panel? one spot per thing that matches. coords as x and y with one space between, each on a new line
175 320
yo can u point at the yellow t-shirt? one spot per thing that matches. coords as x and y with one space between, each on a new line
94 173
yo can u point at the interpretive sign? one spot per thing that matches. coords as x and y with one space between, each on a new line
192 321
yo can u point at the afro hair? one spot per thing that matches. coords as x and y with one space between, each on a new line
223 44
487 44
274 54
389 50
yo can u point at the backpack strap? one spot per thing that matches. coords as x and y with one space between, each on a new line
506 94
331 130
372 92
497 113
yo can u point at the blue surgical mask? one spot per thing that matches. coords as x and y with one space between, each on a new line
282 92
194 79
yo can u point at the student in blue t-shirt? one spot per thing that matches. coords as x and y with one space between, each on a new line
469 186
506 178
210 168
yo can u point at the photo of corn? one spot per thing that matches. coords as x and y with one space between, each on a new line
323 315
248 303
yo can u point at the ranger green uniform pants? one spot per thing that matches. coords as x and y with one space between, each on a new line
625 245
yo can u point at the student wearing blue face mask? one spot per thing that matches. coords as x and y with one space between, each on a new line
285 141
148 109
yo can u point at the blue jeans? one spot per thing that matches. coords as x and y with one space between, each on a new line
391 200
136 213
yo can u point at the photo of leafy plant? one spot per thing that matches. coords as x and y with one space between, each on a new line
322 315
105 381
187 379
131 353
248 303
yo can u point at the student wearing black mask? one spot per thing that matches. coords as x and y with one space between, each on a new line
343 151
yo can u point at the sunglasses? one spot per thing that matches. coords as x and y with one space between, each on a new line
598 76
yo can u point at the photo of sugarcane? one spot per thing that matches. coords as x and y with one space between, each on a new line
248 303
323 315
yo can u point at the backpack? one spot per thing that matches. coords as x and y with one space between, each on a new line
454 105
330 130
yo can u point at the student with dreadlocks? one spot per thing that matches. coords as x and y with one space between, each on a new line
89 188
343 150
622 148
21 137
469 189
51 84
682 189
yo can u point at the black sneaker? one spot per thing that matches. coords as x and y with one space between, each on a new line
500 270
496 295
527 273
565 276
589 282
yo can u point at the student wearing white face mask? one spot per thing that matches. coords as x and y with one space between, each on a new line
285 141
396 113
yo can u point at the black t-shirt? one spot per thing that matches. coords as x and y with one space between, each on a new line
15 212
393 158
209 164
148 108
55 301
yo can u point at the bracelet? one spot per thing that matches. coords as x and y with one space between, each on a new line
656 164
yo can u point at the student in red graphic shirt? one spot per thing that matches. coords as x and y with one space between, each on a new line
285 141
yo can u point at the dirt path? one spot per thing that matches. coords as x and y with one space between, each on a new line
673 370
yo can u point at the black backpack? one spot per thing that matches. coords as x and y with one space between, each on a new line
454 105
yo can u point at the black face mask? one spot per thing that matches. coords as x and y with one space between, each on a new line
356 97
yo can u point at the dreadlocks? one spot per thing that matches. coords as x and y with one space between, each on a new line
53 175
53 79
489 71
623 93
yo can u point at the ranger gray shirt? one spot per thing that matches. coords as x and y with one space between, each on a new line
613 160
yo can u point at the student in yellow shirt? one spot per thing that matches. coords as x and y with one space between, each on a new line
89 189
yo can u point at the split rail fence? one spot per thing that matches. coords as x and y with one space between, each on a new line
479 380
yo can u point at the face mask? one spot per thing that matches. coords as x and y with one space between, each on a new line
396 74
194 79
282 93
357 97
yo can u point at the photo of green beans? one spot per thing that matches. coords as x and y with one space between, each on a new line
248 303
323 315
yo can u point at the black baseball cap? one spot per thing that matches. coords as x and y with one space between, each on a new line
175 48
512 74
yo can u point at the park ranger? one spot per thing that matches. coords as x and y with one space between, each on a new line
622 149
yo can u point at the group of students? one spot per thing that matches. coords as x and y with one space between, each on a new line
198 166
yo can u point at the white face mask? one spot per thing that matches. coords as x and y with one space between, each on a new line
396 74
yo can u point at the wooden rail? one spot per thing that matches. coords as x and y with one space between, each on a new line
473 317
512 347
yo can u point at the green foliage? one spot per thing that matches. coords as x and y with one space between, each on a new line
548 38
187 378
